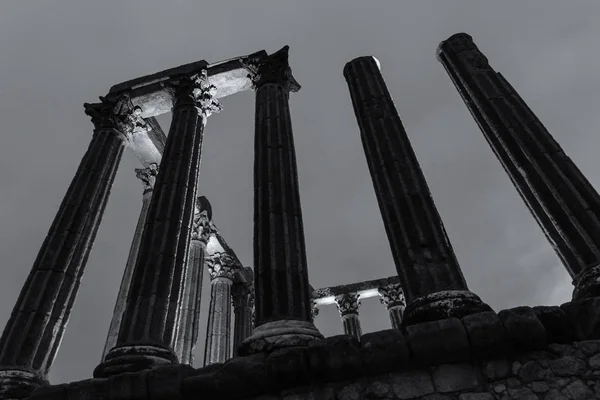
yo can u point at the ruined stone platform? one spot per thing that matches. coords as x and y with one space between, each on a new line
544 353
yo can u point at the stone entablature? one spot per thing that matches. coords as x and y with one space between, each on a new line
366 289
527 353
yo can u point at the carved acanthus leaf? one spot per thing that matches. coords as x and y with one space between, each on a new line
147 176
243 295
314 309
195 90
348 303
117 113
392 296
220 265
274 69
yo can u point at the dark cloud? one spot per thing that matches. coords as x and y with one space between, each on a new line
56 55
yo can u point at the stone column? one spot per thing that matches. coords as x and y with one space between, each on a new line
218 334
187 333
562 200
148 177
243 304
348 305
393 299
35 328
150 320
428 270
281 276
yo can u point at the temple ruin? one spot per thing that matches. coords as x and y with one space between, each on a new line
444 341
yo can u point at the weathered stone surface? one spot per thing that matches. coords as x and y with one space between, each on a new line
555 395
455 377
497 369
532 371
56 392
595 361
438 341
335 358
567 366
584 317
476 396
128 386
589 347
523 328
485 332
164 383
384 351
556 323
96 389
288 367
540 387
237 378
578 391
408 385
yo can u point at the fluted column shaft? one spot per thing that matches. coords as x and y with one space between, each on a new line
279 248
561 199
426 264
150 321
392 297
218 335
281 275
348 305
147 176
243 304
188 325
35 328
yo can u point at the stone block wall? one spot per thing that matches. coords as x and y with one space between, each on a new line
546 353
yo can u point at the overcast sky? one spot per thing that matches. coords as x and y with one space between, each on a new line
56 55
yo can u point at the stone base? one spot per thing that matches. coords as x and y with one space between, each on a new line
134 359
18 384
441 305
587 284
279 334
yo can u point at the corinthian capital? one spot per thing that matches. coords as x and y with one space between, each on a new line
243 295
273 69
194 90
147 176
392 296
347 303
117 113
220 265
202 227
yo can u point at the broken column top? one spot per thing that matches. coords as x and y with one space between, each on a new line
229 76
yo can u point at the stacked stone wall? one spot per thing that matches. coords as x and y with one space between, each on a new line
546 353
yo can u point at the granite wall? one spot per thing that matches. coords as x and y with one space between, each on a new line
525 353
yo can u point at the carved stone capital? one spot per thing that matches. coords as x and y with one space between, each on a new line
242 295
314 309
117 113
273 69
196 91
147 176
348 303
220 265
392 296
202 227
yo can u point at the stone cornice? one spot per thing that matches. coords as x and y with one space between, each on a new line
366 289
117 113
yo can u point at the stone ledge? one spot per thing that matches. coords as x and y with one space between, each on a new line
472 339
